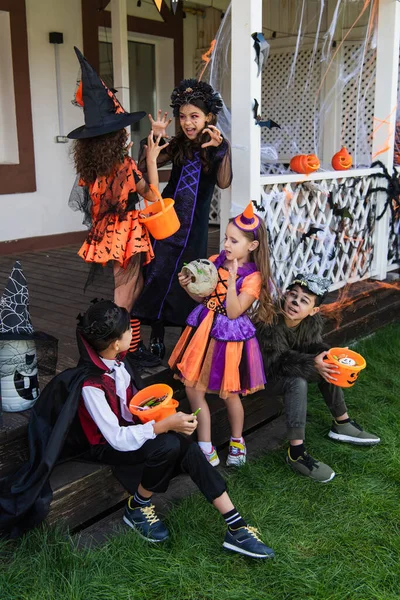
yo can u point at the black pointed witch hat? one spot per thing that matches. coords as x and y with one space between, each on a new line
14 306
103 113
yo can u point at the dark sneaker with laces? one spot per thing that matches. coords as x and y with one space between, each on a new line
144 521
245 540
352 433
142 357
307 465
157 347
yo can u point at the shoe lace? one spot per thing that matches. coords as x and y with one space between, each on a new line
356 425
150 514
253 532
309 461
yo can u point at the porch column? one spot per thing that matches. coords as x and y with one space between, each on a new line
387 72
245 86
119 38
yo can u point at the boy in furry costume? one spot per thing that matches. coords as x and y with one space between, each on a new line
293 353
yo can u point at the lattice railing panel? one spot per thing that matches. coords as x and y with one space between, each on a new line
214 216
321 227
358 98
394 235
293 108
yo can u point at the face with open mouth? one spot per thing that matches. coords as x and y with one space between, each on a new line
298 305
192 120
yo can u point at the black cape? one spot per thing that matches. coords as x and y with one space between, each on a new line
54 434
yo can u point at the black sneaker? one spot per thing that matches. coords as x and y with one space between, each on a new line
157 347
245 540
143 358
144 521
307 465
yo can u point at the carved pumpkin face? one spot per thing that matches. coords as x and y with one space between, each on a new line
352 378
304 163
342 160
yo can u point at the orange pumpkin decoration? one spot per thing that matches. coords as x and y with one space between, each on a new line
304 163
342 160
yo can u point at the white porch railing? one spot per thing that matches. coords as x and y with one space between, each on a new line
324 225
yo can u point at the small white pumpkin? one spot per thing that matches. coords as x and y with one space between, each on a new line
204 277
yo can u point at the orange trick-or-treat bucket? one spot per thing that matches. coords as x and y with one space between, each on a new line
350 364
152 393
160 217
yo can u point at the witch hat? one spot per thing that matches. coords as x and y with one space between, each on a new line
14 306
103 112
247 220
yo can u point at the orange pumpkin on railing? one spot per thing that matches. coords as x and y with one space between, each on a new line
341 161
304 163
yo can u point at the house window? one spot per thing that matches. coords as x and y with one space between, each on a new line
8 119
17 160
142 78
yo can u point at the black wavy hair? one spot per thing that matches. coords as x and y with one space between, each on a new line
104 322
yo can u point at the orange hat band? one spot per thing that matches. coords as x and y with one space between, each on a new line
247 223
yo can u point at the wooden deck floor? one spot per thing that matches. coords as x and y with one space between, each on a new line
56 280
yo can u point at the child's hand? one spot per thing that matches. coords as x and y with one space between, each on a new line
153 148
184 280
181 423
325 369
215 135
160 125
232 273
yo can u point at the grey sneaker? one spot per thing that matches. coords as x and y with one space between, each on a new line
307 465
352 433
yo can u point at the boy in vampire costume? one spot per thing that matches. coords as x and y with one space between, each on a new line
293 353
86 413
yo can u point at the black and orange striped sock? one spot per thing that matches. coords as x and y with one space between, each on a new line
135 324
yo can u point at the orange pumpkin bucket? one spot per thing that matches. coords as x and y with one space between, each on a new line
350 364
304 163
160 217
156 413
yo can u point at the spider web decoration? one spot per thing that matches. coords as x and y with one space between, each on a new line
14 305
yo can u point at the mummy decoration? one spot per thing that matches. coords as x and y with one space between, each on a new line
204 277
19 386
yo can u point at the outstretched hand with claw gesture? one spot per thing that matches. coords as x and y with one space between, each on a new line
215 135
159 126
153 147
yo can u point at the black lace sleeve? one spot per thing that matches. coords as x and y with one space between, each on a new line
224 172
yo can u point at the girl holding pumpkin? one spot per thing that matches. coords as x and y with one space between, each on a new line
107 192
218 351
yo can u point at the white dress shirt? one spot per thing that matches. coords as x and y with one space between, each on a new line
124 439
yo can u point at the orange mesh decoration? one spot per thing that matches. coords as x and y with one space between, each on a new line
304 163
341 161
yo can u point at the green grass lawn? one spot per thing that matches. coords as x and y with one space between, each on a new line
332 541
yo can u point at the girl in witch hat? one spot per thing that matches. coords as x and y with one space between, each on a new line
109 182
200 159
218 352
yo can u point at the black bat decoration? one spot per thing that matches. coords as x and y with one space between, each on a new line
261 47
310 232
269 123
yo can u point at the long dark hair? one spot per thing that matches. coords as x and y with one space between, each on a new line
103 323
181 148
100 155
264 311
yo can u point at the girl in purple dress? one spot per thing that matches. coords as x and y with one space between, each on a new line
218 352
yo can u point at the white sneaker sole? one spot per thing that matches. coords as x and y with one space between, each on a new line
245 552
131 525
353 440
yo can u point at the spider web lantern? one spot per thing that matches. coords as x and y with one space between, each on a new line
19 385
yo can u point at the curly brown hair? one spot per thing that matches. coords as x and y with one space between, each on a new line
264 311
100 155
181 148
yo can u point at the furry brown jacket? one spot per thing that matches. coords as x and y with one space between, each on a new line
290 352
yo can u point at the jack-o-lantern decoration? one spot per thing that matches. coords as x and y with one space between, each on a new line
341 161
204 277
350 364
19 387
305 163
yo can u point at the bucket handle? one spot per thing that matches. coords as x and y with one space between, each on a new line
156 191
